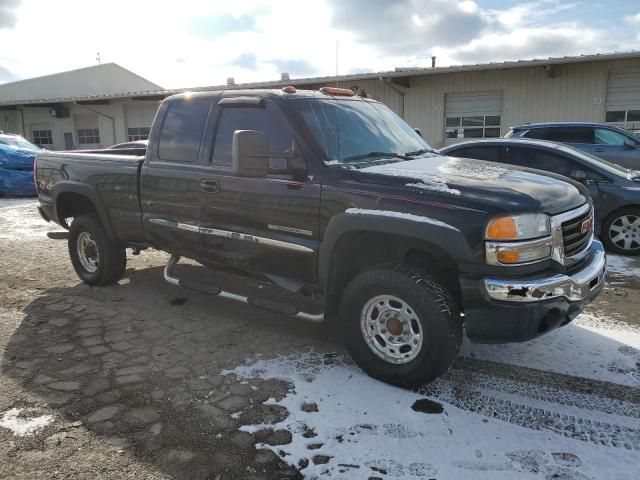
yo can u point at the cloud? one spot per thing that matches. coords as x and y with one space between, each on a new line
216 26
527 43
7 16
294 67
6 75
248 61
634 19
410 27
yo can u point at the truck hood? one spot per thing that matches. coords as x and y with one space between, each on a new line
481 183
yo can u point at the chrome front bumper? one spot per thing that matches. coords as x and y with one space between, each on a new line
574 287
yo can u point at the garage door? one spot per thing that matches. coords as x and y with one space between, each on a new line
472 115
623 98
139 119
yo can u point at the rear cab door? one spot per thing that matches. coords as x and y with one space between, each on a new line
171 182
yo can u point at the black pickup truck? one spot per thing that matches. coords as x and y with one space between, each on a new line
332 192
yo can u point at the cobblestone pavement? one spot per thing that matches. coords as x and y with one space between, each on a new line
137 380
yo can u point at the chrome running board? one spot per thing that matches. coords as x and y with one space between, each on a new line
254 301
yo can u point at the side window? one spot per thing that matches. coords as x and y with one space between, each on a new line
571 134
605 136
268 120
182 130
542 160
490 153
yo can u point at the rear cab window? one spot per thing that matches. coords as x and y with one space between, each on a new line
182 129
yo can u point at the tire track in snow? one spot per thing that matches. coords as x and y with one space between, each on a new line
591 411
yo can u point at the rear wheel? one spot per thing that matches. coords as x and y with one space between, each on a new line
621 231
400 325
95 257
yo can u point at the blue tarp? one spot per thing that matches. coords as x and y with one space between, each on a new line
16 171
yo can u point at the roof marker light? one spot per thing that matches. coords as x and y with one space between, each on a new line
344 92
289 89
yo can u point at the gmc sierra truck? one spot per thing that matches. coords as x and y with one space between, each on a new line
330 192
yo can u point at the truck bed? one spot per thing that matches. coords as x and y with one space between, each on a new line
110 180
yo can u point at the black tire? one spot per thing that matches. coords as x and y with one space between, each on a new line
111 257
615 220
438 316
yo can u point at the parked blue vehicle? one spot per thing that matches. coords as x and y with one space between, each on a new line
600 139
16 166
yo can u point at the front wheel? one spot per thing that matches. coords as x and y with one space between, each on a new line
621 231
95 257
400 325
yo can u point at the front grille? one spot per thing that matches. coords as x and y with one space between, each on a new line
574 240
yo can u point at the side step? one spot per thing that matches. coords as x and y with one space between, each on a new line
254 301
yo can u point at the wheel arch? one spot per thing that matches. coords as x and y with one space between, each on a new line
72 199
354 243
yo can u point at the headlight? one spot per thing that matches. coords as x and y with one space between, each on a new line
518 227
521 239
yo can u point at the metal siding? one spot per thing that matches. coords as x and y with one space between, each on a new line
577 92
623 89
140 115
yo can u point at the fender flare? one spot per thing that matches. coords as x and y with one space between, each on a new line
68 186
444 236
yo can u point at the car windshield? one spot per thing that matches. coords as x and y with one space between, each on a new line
609 167
18 142
351 131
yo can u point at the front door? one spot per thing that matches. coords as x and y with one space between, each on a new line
68 141
267 225
617 148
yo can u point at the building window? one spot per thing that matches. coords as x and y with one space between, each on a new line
42 137
629 119
138 133
88 136
477 126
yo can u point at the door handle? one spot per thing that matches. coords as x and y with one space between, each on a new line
209 185
599 150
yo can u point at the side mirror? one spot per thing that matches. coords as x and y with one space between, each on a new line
418 131
630 144
579 176
250 153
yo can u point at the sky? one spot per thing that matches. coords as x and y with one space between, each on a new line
197 43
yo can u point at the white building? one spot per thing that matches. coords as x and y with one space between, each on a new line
106 104
82 108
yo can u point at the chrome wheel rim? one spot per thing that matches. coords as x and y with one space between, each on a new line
87 252
391 329
624 232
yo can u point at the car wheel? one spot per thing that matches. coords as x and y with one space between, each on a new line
621 231
400 325
95 257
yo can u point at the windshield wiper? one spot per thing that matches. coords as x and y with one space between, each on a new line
418 152
375 155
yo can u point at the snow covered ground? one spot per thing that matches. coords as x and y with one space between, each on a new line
18 219
508 411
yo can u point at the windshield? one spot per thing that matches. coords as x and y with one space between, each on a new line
611 168
349 131
18 142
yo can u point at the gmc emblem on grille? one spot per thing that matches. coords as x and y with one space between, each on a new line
586 225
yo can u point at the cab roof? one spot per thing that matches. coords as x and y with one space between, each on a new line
268 93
